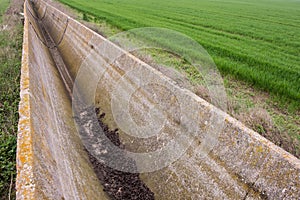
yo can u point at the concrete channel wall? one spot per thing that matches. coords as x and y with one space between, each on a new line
52 163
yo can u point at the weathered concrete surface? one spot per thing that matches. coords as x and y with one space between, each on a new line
51 161
242 165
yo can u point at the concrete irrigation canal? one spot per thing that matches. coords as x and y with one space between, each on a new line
72 143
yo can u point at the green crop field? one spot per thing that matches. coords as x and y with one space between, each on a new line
254 40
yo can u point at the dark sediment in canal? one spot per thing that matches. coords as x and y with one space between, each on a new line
117 184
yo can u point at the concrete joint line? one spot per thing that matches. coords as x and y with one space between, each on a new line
35 31
44 13
27 7
37 35
62 37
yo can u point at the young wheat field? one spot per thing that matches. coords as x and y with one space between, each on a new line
256 41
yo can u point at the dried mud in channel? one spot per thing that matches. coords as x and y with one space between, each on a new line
117 184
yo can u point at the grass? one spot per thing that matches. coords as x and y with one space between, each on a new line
254 41
3 6
10 57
